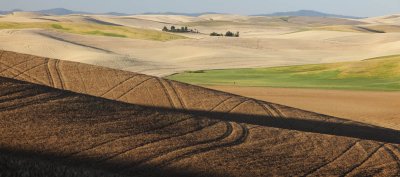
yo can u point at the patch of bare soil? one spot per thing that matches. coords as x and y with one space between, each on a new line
63 118
377 108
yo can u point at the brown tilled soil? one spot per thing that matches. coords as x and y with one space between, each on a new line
377 108
114 123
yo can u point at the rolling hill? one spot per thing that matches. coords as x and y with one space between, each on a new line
95 27
60 117
308 13
372 74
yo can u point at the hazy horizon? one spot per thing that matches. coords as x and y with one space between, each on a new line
360 8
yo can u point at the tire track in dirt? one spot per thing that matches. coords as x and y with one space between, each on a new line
119 84
137 165
394 157
267 110
134 87
27 70
180 99
78 71
56 67
130 135
219 104
228 133
12 67
14 91
25 95
18 72
239 140
354 167
242 137
167 94
33 102
332 160
159 140
278 111
50 77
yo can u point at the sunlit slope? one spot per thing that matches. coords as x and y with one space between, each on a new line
373 74
363 29
95 29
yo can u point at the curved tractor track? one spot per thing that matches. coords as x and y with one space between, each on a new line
72 119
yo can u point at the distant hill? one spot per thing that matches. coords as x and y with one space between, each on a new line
307 13
116 14
61 11
10 11
55 11
177 13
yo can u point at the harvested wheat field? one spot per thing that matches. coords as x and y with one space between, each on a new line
372 107
137 43
62 118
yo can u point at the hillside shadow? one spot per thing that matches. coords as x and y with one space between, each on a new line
15 162
340 128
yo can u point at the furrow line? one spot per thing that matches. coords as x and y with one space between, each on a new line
219 104
394 157
177 95
50 77
119 84
33 102
332 160
130 135
229 130
59 74
243 136
19 72
134 87
362 162
166 93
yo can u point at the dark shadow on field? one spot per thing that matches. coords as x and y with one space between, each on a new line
341 128
16 163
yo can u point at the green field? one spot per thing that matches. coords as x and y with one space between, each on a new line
96 29
381 73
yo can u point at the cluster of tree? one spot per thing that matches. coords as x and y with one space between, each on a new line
179 30
227 34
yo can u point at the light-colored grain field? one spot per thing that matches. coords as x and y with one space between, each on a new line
76 123
264 41
94 29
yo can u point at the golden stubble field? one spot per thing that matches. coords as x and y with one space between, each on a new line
264 41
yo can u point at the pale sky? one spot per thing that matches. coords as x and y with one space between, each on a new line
363 8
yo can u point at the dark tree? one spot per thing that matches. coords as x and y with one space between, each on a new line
173 29
237 34
216 34
229 34
165 28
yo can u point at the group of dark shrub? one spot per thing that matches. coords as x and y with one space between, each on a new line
182 29
185 29
227 34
